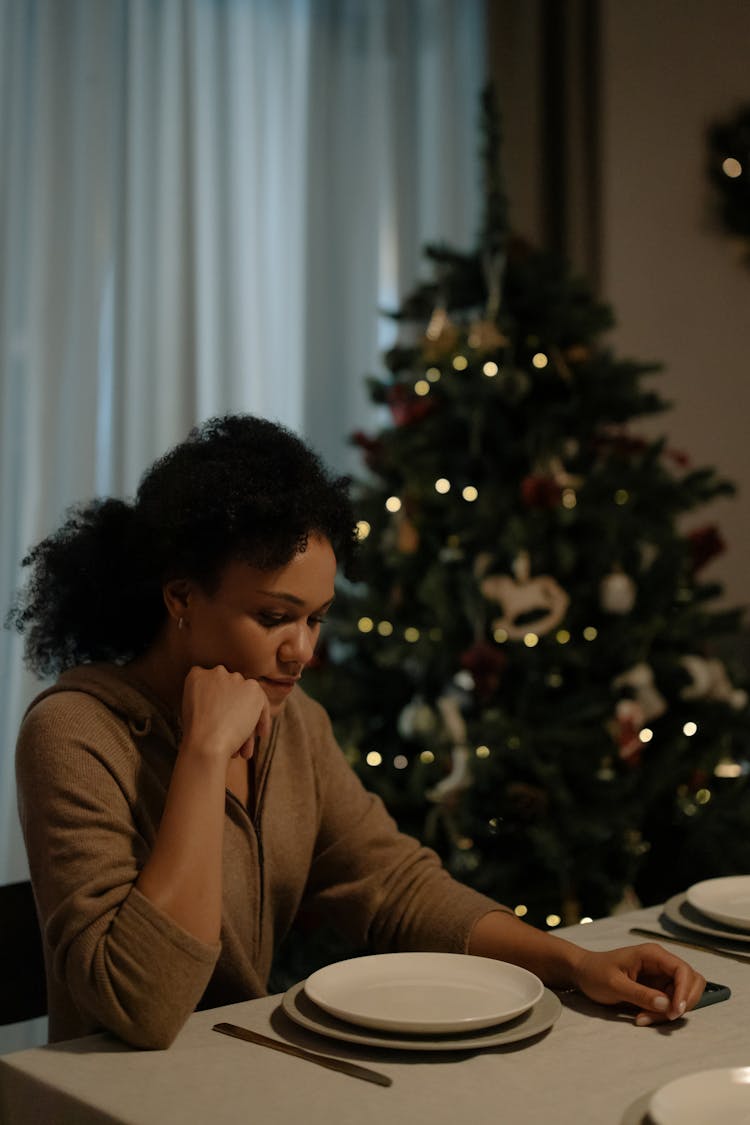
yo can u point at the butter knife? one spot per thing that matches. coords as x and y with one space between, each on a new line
697 944
341 1065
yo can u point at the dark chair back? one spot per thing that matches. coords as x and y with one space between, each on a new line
23 992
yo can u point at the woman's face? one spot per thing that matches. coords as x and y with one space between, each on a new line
264 624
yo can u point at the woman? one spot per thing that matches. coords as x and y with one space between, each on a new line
182 799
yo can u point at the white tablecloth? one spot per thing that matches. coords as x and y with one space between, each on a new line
593 1068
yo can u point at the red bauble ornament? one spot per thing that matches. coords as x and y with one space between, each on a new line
372 448
486 665
705 544
406 407
540 491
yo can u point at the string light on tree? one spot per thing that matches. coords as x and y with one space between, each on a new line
393 504
569 498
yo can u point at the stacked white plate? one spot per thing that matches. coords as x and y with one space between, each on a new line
721 1095
423 1001
716 908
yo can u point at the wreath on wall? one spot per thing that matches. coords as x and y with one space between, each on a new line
729 173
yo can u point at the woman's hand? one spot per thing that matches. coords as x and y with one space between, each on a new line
660 985
223 713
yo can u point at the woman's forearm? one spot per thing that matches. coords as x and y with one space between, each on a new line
183 875
501 935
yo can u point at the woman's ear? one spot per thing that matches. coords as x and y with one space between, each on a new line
176 593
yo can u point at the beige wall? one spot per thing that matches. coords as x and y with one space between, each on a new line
679 292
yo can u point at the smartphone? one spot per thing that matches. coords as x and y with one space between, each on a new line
713 993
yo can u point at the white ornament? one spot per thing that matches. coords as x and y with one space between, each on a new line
522 597
457 780
417 719
710 680
459 777
450 712
617 592
640 679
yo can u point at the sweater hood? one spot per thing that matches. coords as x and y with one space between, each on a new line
122 693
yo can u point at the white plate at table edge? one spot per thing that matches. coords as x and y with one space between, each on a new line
714 897
672 909
301 1010
424 993
701 1096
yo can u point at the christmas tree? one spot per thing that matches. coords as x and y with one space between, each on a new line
530 668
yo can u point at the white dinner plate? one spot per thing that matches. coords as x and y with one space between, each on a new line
727 899
709 1095
424 993
300 1008
678 910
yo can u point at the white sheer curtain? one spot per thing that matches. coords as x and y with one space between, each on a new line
203 204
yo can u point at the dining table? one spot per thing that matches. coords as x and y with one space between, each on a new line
593 1066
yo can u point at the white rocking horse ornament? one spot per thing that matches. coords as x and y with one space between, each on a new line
529 604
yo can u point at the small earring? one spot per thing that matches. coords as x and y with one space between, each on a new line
180 622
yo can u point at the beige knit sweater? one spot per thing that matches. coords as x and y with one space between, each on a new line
94 760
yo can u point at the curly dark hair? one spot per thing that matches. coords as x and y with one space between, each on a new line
238 487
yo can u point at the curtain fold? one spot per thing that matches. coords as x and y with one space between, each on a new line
204 203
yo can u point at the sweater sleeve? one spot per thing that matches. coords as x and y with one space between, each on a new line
123 963
376 884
